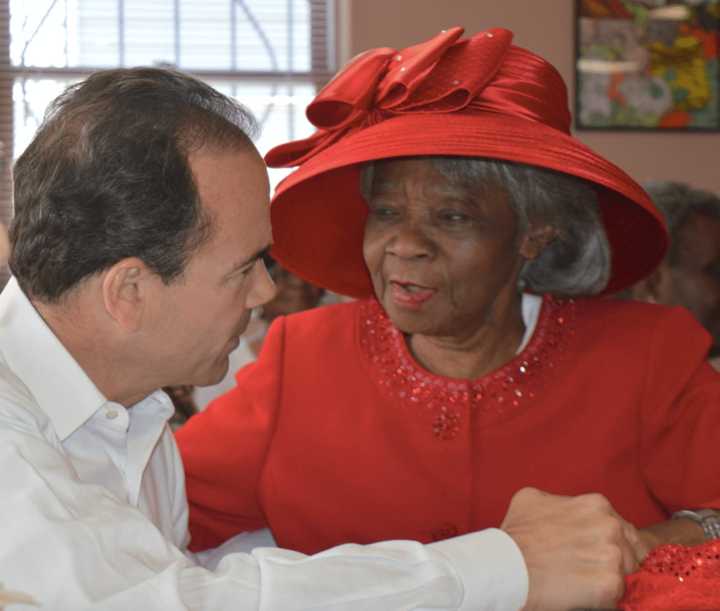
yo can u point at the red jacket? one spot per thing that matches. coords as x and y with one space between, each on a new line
336 435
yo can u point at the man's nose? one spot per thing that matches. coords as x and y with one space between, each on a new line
263 288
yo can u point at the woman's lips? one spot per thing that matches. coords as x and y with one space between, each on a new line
409 295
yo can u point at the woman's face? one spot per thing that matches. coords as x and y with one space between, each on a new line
443 261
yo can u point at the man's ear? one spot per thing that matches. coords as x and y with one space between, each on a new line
536 239
125 291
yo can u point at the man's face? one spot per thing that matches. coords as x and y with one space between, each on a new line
694 278
199 318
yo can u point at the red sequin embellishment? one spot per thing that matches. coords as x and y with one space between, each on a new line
674 577
448 402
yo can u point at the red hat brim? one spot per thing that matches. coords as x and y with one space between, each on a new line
318 213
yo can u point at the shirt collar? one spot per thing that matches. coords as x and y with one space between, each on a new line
158 402
34 353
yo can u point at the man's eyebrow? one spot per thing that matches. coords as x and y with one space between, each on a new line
249 260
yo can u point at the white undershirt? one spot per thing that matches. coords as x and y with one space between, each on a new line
530 305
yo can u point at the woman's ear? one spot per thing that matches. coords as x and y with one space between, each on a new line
124 292
536 239
655 287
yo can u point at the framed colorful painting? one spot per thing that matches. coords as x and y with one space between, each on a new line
647 64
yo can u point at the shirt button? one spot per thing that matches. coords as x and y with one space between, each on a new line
111 414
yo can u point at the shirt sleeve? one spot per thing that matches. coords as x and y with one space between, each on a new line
224 447
73 545
680 429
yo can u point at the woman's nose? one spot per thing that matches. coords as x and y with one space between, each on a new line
410 241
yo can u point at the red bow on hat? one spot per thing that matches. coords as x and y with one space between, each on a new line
384 82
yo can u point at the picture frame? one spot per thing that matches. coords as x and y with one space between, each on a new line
647 65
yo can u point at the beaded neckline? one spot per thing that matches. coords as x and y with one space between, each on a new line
447 402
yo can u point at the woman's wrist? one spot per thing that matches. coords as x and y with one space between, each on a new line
682 531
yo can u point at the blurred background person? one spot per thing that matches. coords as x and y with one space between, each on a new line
4 245
183 402
689 275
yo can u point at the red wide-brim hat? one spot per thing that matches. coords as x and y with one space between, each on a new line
476 97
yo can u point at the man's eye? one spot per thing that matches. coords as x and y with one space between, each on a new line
243 272
246 270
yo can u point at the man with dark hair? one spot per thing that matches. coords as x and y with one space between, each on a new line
141 220
689 276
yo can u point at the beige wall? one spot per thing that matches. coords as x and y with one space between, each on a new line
546 27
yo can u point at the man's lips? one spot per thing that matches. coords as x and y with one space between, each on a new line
235 339
409 294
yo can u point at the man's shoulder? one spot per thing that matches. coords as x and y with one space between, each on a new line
18 409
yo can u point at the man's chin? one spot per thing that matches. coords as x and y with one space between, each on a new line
216 375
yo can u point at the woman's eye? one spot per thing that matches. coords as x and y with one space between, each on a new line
453 216
382 212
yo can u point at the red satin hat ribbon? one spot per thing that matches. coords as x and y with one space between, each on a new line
442 75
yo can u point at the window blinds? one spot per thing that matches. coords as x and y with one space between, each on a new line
271 55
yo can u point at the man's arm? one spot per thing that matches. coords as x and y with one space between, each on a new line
73 545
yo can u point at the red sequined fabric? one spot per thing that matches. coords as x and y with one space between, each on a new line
676 578
447 402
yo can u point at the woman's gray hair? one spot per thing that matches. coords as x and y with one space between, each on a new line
577 261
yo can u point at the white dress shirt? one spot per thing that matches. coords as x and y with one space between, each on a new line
93 513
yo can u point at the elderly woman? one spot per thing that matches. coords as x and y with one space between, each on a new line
444 191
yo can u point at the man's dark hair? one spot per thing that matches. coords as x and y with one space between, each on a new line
678 202
107 177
